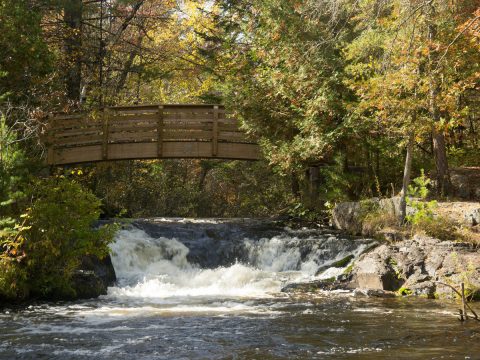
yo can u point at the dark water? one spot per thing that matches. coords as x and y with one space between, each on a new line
166 306
335 326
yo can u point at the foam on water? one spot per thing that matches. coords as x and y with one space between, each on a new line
158 268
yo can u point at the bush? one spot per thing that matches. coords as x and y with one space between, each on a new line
54 234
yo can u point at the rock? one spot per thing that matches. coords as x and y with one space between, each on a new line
93 277
346 216
337 264
87 285
465 182
473 217
374 270
349 216
312 286
392 206
415 266
373 293
391 235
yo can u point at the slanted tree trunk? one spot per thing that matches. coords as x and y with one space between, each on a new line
406 176
72 15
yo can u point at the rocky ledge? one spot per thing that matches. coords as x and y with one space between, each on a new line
420 266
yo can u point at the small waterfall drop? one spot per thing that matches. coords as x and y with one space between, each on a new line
163 259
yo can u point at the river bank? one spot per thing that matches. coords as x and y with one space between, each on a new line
408 262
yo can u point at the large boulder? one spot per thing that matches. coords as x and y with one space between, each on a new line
346 216
93 277
466 182
376 271
472 217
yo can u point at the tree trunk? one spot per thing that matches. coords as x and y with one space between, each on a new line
406 176
72 15
314 185
441 163
295 186
439 148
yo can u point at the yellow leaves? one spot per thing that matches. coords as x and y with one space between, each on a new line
76 172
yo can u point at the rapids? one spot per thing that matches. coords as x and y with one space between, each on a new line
211 289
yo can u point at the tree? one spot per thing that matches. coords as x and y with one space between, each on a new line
25 59
402 83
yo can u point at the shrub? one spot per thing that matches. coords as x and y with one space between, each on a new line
60 233
45 249
417 193
469 235
378 220
422 217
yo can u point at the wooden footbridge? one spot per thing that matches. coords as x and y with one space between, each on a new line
147 132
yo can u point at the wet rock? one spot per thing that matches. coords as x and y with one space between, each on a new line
312 286
87 285
423 289
373 293
336 264
93 277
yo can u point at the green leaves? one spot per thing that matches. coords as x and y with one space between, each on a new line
50 238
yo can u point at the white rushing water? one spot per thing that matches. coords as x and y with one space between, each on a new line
157 268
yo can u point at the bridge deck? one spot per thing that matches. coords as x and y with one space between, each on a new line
147 132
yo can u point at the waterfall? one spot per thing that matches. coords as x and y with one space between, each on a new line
171 258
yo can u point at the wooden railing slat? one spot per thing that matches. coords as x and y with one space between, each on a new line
106 115
215 132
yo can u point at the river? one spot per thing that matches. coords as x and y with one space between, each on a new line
211 289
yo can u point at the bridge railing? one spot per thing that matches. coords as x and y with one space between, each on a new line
148 131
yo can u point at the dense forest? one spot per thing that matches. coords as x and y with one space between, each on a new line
348 100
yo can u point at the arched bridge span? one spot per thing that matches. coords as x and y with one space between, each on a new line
147 132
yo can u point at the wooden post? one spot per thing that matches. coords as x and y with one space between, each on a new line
160 131
215 132
464 302
106 116
50 138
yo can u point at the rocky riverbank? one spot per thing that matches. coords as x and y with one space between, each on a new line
421 266
404 264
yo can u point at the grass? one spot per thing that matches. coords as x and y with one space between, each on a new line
378 220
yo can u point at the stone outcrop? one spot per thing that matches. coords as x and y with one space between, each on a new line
465 182
346 216
93 277
418 267
350 216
